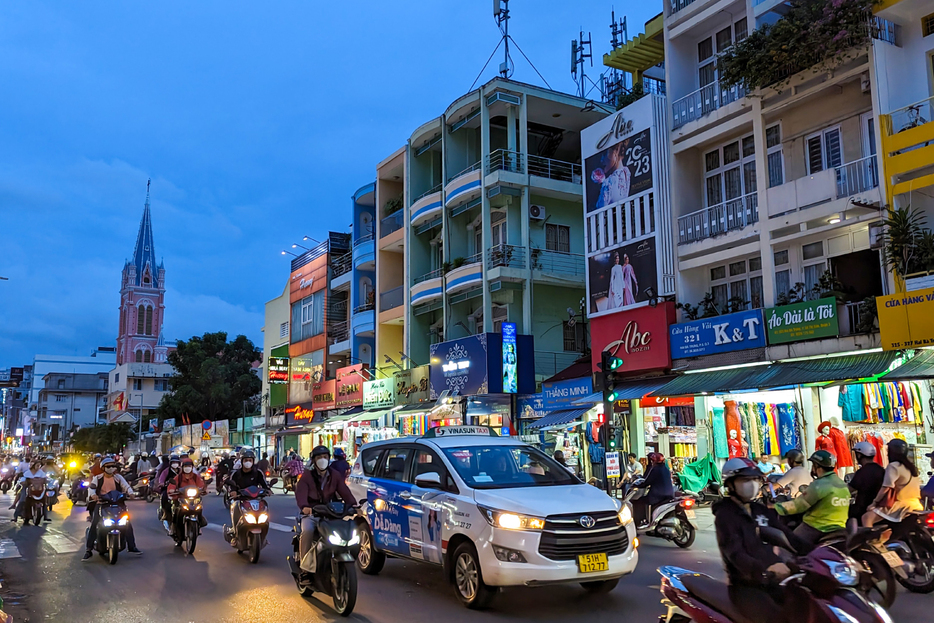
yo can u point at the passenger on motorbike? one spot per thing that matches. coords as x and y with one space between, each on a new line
95 467
867 480
143 465
901 476
242 478
754 568
174 469
187 479
340 462
927 491
223 469
109 480
661 489
294 469
34 471
825 504
797 476
321 483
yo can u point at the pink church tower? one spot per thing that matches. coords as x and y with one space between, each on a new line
142 294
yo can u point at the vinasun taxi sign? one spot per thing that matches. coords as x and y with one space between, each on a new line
906 320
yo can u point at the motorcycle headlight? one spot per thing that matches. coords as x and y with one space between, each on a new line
625 515
336 539
354 539
512 521
250 518
108 522
73 465
263 517
191 492
4 470
123 520
846 572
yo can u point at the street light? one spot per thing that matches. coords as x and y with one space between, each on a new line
289 253
310 238
298 246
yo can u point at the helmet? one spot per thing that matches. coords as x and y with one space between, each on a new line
174 458
320 451
823 459
339 453
187 461
247 454
865 448
108 462
794 457
655 457
97 456
740 467
898 446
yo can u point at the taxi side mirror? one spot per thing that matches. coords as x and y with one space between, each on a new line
428 480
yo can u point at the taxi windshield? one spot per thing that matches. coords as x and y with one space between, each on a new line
504 467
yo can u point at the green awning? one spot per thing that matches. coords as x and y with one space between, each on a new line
921 366
713 381
828 369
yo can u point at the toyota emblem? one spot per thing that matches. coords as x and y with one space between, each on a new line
587 521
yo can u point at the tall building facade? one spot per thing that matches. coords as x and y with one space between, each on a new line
142 300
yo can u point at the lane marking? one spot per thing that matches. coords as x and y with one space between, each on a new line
8 549
62 544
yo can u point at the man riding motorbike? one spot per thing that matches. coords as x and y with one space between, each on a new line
34 471
223 470
321 483
797 476
658 478
340 462
825 504
189 477
753 567
109 480
167 476
867 480
246 476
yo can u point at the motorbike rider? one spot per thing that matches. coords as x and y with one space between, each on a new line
95 468
246 476
661 489
34 471
223 469
825 504
902 478
189 477
867 480
109 480
143 465
754 568
164 465
340 462
263 464
796 477
174 469
295 469
321 483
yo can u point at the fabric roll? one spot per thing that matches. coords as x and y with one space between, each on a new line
718 424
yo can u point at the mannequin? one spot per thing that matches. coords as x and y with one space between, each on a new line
736 447
842 449
744 444
824 440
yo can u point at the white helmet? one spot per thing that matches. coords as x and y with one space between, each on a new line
865 448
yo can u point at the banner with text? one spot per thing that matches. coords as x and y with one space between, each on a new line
720 334
906 320
802 321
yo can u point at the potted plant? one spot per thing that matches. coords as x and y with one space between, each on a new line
392 206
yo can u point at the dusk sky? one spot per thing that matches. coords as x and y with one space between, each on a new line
256 122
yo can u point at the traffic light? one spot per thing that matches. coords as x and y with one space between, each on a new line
609 365
612 443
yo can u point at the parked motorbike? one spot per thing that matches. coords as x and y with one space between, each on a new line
820 591
186 518
34 506
253 524
337 544
6 478
669 520
112 526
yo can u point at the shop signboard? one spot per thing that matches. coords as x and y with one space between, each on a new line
16 375
562 394
323 395
612 465
720 334
168 424
510 362
531 407
617 157
640 337
412 386
474 365
304 372
278 370
906 320
802 321
350 386
379 394
299 414
154 425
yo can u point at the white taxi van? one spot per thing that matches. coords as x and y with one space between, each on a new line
490 511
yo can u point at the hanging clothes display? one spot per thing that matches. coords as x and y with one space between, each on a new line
720 448
884 403
681 416
788 428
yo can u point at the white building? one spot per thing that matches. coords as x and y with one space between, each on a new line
102 359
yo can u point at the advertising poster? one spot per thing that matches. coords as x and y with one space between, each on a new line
350 386
720 334
620 277
530 407
168 424
510 353
299 414
278 370
906 320
802 321
619 170
379 394
412 386
222 430
303 373
640 337
612 465
562 394
154 425
460 366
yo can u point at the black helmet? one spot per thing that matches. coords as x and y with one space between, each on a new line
823 459
320 451
739 467
175 458
794 457
247 454
898 446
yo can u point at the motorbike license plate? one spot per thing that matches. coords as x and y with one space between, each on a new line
690 513
893 559
592 563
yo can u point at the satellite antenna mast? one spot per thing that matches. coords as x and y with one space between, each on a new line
501 14
581 50
618 28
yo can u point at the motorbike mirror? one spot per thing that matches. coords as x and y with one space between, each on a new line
362 501
428 480
775 537
273 481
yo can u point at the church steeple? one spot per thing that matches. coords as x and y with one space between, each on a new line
144 255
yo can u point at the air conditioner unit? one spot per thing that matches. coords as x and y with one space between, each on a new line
537 212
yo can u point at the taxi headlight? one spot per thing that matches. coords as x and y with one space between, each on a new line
845 572
512 521
625 515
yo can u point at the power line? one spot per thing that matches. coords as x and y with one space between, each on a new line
531 64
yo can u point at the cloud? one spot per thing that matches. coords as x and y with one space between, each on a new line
187 315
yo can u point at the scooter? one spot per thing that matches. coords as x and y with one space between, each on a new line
820 591
6 479
670 520
112 526
879 567
34 506
78 494
187 518
51 497
142 485
912 545
336 546
253 525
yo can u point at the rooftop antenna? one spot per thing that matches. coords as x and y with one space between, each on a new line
581 50
501 15
618 28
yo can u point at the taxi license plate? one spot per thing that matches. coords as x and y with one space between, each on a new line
690 513
592 563
893 559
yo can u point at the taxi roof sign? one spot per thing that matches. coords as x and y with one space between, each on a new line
451 431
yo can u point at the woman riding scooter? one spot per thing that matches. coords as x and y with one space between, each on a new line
661 489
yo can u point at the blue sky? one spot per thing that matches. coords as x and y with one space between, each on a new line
256 122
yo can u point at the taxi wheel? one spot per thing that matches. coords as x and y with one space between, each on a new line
369 560
468 580
600 586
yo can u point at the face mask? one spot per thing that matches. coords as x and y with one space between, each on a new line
110 470
321 464
174 466
187 469
247 464
746 490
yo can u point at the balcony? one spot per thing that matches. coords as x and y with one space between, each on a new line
463 186
857 177
558 263
555 169
364 252
392 223
504 160
426 206
340 265
430 191
678 5
728 216
702 102
363 320
427 276
338 332
823 187
469 273
908 146
427 287
506 255
392 299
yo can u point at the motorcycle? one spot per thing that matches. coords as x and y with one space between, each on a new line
112 526
51 496
34 506
142 486
78 494
6 479
878 567
187 519
337 544
288 480
820 591
250 532
912 548
670 520
207 475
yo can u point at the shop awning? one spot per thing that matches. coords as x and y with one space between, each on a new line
559 418
630 390
733 379
921 366
410 410
352 411
827 369
369 415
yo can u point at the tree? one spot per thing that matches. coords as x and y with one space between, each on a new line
104 438
212 378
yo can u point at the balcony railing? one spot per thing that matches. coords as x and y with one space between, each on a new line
367 237
338 332
554 169
677 5
857 177
393 222
474 167
341 265
558 263
430 191
549 363
368 306
432 275
392 299
912 116
719 219
504 160
704 101
506 255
